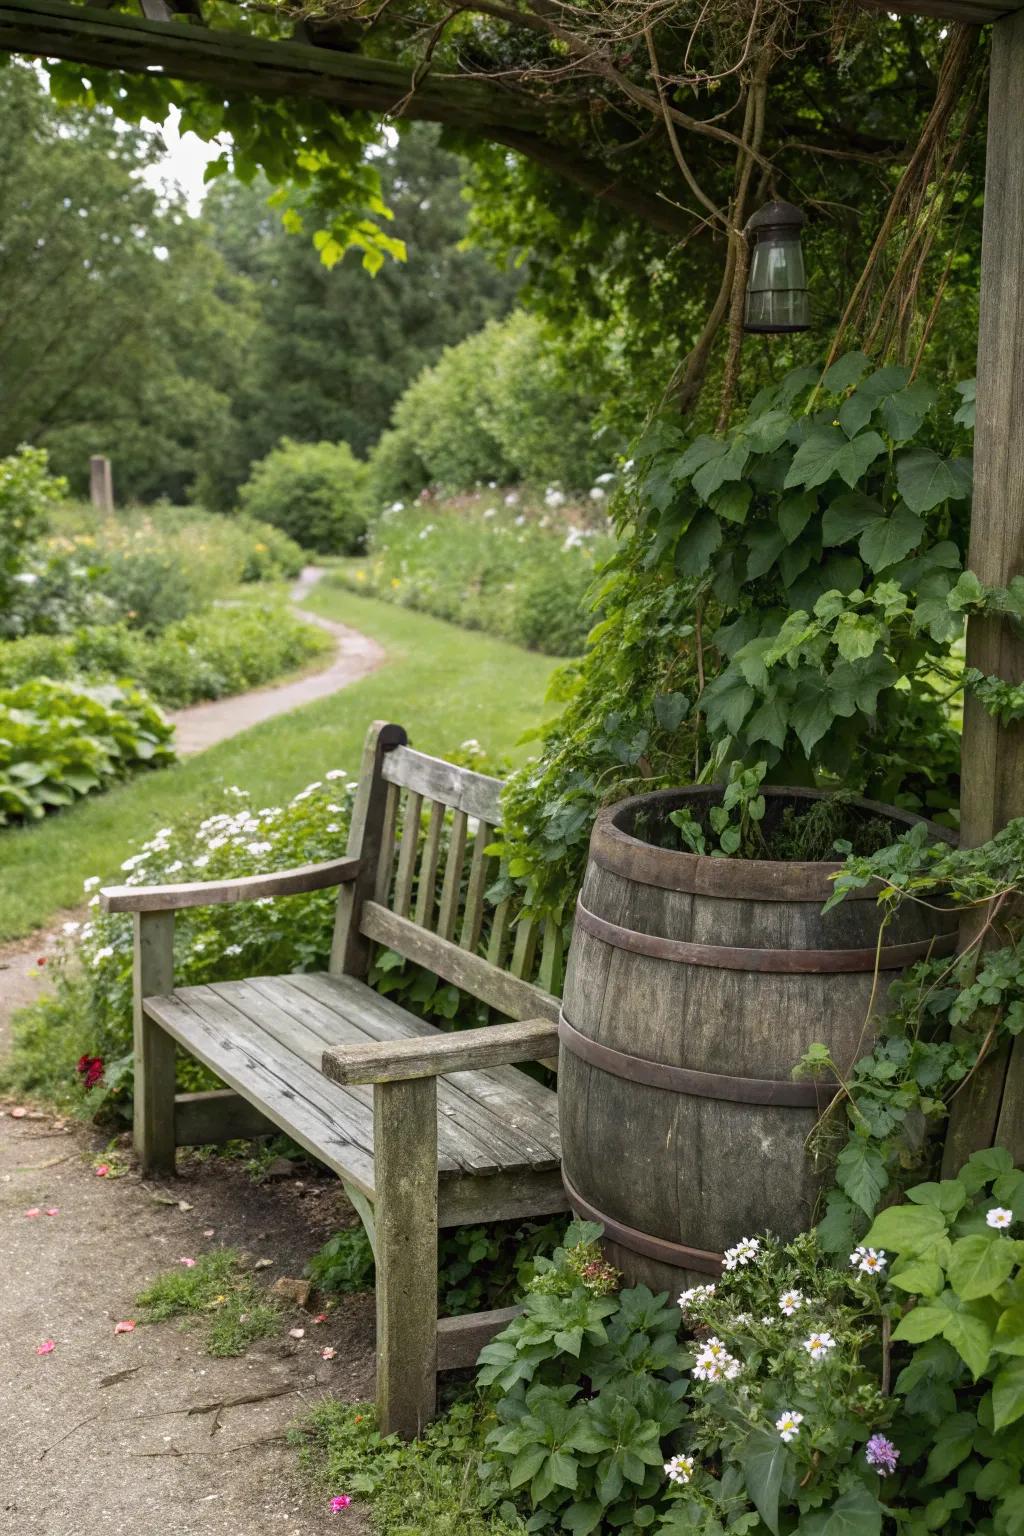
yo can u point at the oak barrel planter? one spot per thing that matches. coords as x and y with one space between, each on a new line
693 986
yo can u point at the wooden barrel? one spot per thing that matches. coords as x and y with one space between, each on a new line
694 984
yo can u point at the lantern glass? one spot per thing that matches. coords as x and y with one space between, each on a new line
777 297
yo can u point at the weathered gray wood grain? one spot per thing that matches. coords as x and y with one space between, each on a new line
458 788
396 1061
208 893
153 1104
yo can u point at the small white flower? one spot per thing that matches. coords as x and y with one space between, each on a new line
71 927
397 506
93 901
91 884
172 869
604 479
870 1261
332 826
790 1302
597 493
490 512
512 499
233 949
335 773
257 848
103 954
696 1293
679 1469
788 1425
714 1363
999 1217
198 946
216 842
818 1345
744 1252
201 862
263 901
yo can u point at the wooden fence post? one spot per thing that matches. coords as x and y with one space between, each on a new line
153 976
350 951
101 483
991 1108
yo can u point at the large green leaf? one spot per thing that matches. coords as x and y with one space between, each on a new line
764 545
794 513
856 1512
888 539
1008 1394
846 370
925 479
698 544
1009 1338
856 635
763 1457
906 1228
811 713
726 466
860 1173
979 1265
827 451
971 1337
848 515
954 1439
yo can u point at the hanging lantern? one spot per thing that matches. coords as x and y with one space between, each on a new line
777 297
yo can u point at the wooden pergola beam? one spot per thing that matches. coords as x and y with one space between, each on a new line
991 1110
976 11
236 62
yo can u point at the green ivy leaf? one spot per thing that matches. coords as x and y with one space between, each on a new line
725 466
979 1265
848 515
906 1229
918 1278
954 1441
1008 1395
827 452
890 538
845 371
698 544
904 411
856 1512
971 1337
810 716
795 512
856 635
768 431
727 701
763 1458
670 710
861 1174
925 479
921 1323
733 501
764 545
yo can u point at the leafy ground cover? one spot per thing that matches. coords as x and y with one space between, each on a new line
215 1292
440 687
503 562
251 639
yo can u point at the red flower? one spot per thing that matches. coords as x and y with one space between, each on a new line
41 960
90 1070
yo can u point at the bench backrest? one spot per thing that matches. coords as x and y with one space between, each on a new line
423 893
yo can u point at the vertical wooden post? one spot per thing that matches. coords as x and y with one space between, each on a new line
405 1218
992 763
153 975
101 483
350 951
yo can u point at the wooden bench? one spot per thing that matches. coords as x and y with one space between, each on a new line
425 1129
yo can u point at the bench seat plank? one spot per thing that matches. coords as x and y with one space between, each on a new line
265 1037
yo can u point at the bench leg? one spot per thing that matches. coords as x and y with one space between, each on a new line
153 1128
405 1173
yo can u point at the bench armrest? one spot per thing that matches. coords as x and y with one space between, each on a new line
208 893
396 1061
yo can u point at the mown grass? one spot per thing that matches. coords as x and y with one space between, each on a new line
443 684
216 1293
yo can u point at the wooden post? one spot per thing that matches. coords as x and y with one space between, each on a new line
350 951
153 975
991 1108
405 1218
101 483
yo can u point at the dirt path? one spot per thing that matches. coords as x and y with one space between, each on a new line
204 725
125 1435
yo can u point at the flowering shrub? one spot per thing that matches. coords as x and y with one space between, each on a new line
59 741
492 562
885 1395
314 492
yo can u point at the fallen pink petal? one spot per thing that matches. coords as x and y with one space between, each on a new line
188 1263
296 1333
342 1501
32 1211
47 1347
328 1353
209 1231
102 1170
19 1113
321 1317
53 1210
126 1327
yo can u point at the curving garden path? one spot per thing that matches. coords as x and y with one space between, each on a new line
356 655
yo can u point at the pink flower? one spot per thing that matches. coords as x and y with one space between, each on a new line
321 1317
188 1263
126 1327
102 1170
47 1347
342 1501
328 1353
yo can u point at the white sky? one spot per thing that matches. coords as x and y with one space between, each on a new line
184 163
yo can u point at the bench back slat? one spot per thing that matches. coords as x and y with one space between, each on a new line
461 789
426 897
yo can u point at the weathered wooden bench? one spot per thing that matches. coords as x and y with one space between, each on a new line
450 1130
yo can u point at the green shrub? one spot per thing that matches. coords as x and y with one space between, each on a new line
516 571
27 495
500 406
315 492
59 741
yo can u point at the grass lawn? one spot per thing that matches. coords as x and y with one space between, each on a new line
442 683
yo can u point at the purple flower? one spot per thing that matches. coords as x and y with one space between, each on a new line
881 1454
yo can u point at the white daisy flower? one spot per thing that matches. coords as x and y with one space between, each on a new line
696 1293
91 884
744 1252
999 1217
818 1345
103 954
679 1469
870 1261
790 1302
335 773
788 1425
257 848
